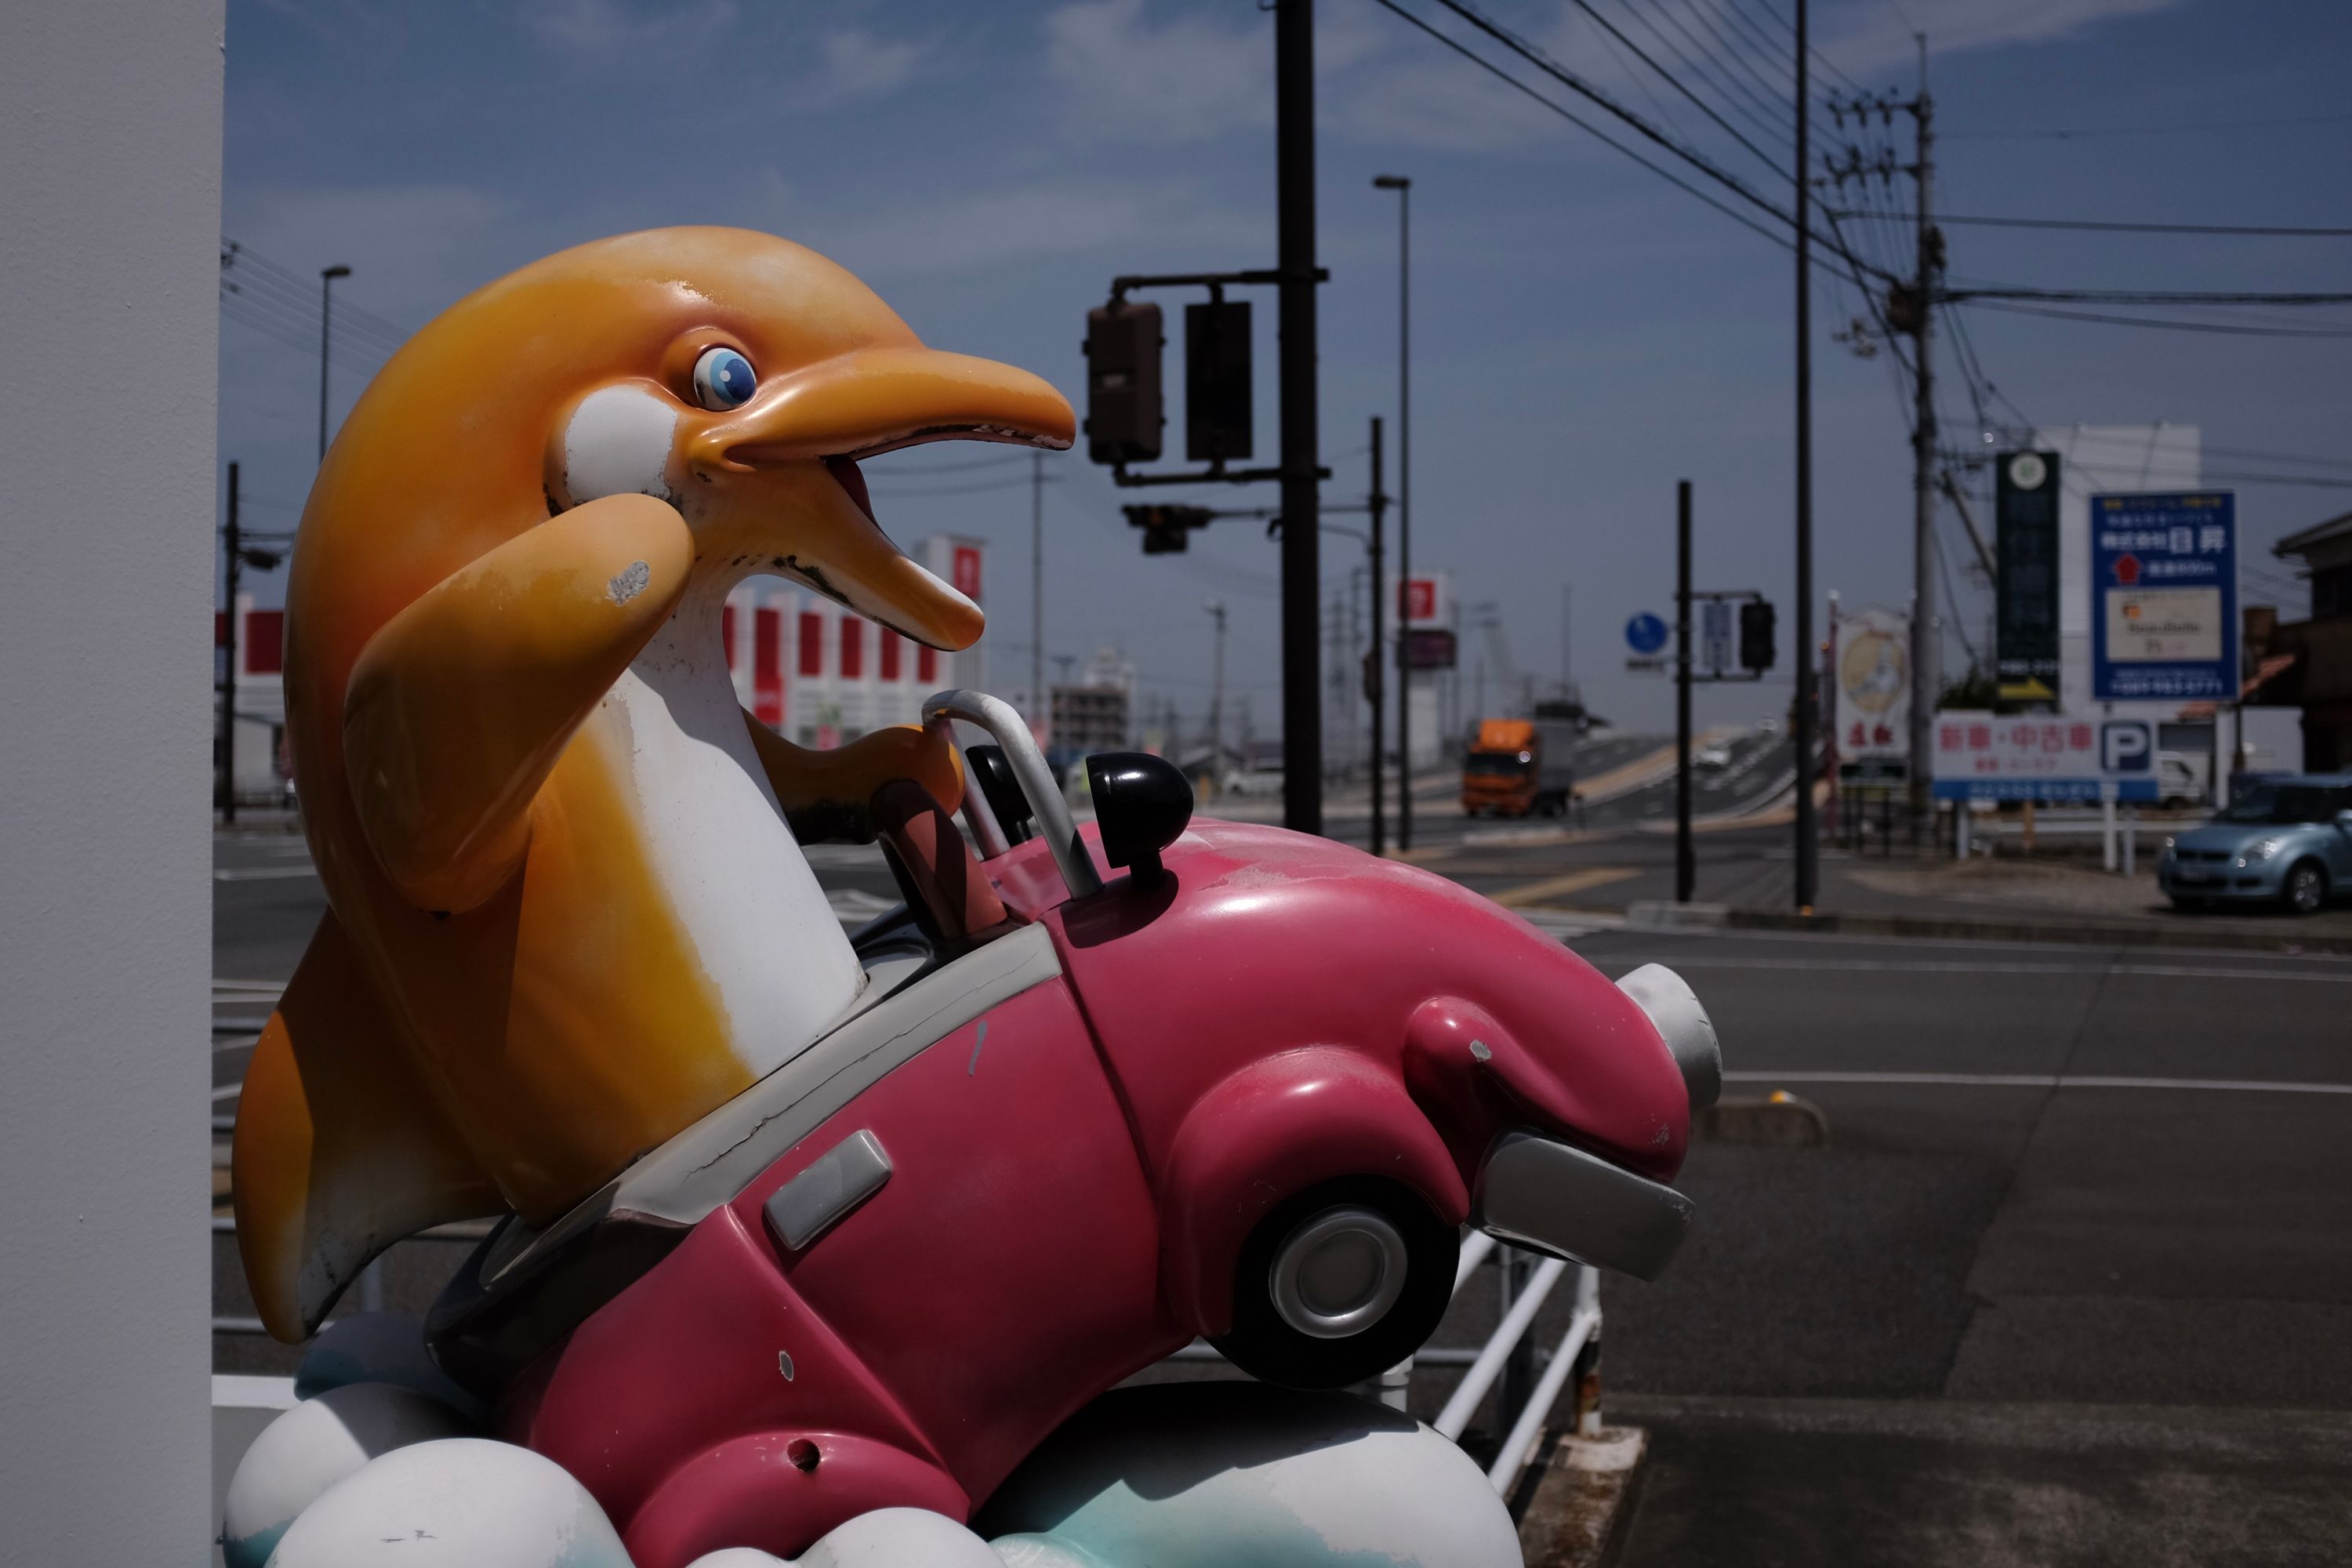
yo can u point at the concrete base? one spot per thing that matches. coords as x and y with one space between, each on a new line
1580 1502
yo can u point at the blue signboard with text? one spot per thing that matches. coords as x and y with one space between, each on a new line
2163 598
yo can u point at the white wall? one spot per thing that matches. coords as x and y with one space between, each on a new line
110 112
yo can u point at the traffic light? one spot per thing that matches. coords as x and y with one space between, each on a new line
1166 528
1756 634
1123 403
1217 420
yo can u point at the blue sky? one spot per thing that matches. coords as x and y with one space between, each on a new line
1584 334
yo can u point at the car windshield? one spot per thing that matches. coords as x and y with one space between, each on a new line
1495 764
2286 803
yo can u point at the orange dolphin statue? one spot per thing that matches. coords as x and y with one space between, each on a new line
568 911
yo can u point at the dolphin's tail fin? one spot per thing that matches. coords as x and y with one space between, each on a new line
339 1151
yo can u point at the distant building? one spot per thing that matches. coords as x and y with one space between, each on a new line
2308 664
1097 712
815 673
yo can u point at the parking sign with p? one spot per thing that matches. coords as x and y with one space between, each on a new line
2127 746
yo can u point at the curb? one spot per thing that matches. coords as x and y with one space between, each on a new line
1577 1514
1651 914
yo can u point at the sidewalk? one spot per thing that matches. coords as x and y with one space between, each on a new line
2004 899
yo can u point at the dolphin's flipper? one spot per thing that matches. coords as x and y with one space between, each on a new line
830 794
339 1151
459 706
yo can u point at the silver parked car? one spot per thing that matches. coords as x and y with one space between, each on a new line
2286 839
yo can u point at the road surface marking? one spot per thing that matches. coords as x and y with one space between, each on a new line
262 873
1942 966
2041 1080
2186 948
1553 886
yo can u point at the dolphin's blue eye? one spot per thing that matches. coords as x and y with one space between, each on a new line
723 379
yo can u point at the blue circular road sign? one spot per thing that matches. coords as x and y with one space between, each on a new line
1645 633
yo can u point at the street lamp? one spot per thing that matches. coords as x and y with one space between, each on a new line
327 276
1403 188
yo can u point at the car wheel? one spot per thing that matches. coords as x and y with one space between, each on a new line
1339 1284
2305 889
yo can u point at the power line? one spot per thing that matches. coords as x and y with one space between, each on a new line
2089 225
1585 125
1789 28
1770 126
1705 108
2164 128
2221 327
1568 79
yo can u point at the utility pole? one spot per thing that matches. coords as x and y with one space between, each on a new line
1375 657
1685 862
1803 720
1216 608
327 276
1037 585
1567 599
1926 638
1403 186
1302 694
232 532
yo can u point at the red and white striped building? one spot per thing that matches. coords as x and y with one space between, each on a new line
814 672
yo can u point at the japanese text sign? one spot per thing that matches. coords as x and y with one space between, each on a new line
2164 596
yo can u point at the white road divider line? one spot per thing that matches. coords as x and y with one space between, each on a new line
1944 966
2041 1081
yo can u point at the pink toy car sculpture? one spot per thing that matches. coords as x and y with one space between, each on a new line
1250 1089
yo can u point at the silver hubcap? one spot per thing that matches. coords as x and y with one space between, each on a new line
1339 1273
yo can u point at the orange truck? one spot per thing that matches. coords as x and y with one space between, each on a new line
1519 767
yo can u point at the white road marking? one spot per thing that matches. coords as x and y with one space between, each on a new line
262 873
2187 949
2041 1080
1941 966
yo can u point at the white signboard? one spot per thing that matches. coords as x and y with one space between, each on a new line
1873 686
1715 635
2045 757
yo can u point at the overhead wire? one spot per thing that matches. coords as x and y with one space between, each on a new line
2224 328
1733 96
1589 128
2105 226
1705 108
1585 88
2164 128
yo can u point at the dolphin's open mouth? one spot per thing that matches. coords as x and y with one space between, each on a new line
846 473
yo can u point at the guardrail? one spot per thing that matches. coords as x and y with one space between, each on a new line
1528 1282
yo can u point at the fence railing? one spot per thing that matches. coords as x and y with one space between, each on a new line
1526 1282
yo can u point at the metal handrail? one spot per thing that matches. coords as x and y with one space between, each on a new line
1010 731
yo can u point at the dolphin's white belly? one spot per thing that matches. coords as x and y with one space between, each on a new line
718 846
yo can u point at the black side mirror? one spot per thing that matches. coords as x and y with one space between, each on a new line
1003 793
1142 803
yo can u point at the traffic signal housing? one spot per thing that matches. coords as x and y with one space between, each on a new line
1757 621
1124 413
1166 529
1217 416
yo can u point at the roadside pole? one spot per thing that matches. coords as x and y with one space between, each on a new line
1685 863
1806 847
1375 665
1926 634
1302 599
228 675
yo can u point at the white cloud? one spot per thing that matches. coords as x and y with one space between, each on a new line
602 31
1873 38
1021 223
1186 80
859 65
412 248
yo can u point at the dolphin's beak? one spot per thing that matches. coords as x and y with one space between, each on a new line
868 402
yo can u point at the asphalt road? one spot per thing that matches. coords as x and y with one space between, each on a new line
2079 1228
